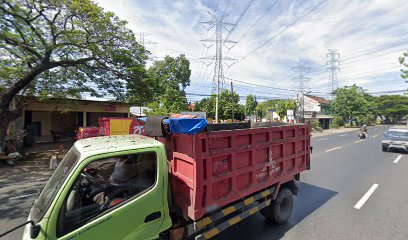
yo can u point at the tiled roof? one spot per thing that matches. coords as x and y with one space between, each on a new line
318 99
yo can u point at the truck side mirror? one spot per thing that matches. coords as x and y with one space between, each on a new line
34 230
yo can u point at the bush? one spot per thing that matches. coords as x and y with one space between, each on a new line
337 122
315 124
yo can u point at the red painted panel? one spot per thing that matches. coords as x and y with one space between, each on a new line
243 159
214 169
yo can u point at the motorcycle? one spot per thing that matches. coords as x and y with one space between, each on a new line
362 135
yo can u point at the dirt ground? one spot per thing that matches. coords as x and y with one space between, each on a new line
34 165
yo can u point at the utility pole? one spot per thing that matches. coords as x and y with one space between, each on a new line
333 66
220 25
232 101
301 80
256 104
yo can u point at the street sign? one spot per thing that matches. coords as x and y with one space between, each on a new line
290 114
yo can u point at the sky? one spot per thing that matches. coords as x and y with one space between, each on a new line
273 37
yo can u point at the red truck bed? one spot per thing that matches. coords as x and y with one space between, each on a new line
212 169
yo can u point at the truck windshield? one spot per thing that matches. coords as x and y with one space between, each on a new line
53 185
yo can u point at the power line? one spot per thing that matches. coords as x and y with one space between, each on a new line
240 17
391 91
254 84
310 10
365 54
257 21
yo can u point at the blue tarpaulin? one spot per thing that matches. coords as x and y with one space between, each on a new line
187 125
184 125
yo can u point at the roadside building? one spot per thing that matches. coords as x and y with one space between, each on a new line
317 108
63 116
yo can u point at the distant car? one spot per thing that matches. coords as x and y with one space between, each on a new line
395 138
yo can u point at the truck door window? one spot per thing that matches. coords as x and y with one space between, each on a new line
104 184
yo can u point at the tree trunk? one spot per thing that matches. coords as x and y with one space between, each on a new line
5 119
2 134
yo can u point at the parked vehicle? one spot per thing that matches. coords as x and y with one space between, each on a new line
139 187
395 138
108 126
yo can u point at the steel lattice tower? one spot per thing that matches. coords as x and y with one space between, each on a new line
220 41
301 79
333 66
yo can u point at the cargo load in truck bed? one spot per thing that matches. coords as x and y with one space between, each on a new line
213 169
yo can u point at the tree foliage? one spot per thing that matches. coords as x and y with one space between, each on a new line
391 108
351 103
404 62
250 105
224 106
168 79
59 48
283 106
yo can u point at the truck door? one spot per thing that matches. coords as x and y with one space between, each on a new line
112 196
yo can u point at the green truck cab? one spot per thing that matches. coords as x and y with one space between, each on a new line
105 188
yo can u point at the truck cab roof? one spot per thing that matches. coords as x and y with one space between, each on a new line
114 143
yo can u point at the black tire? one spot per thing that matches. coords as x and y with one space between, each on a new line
10 162
280 209
385 149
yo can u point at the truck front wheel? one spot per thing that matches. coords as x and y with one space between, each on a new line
280 209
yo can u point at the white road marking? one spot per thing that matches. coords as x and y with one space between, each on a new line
359 140
22 196
332 149
342 135
375 136
366 196
322 139
397 159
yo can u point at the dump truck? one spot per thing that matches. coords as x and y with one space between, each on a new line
172 187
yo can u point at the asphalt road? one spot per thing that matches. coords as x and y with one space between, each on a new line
329 204
343 169
18 188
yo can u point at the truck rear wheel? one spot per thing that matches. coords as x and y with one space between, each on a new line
280 209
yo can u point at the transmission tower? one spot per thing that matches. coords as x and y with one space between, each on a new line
147 44
301 79
333 66
220 25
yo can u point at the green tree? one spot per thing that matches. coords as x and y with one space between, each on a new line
168 79
250 105
351 103
224 106
404 62
261 110
239 112
58 48
391 108
207 105
283 106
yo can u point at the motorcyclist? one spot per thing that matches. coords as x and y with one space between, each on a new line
364 130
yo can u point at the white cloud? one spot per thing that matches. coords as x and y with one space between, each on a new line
369 35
